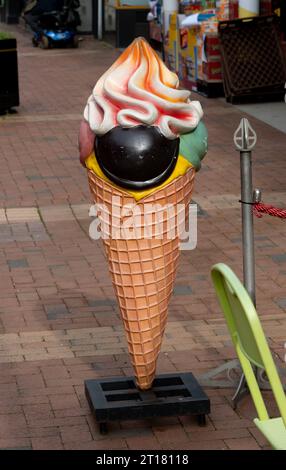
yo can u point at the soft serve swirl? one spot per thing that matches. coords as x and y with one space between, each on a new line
139 89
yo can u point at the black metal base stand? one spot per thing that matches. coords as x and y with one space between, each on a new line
171 395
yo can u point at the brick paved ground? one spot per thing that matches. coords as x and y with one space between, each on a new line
59 322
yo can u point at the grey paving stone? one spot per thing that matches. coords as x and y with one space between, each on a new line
40 237
279 258
201 212
56 266
101 302
281 302
182 290
32 249
49 138
35 177
201 277
67 158
56 311
39 177
17 263
236 240
47 192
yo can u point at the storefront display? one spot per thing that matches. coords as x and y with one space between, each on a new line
190 43
188 57
171 43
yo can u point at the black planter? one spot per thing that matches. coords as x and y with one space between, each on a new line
9 88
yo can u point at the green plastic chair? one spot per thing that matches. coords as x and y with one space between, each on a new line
252 350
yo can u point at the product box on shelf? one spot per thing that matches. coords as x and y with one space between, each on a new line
189 7
199 54
171 42
211 46
194 51
212 71
155 31
188 63
227 9
208 58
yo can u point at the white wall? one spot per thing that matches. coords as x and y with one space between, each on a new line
109 15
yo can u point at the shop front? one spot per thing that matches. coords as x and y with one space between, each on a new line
187 32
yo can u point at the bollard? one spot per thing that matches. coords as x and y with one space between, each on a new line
245 140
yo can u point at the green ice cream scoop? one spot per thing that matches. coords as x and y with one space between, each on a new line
194 145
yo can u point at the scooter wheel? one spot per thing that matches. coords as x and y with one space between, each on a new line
75 42
44 42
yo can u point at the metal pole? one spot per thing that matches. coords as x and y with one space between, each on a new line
247 224
245 140
99 19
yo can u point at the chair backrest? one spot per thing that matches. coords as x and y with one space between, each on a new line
248 337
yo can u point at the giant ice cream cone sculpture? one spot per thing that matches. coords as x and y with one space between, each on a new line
142 141
143 271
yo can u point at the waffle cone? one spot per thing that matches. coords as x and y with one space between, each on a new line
143 268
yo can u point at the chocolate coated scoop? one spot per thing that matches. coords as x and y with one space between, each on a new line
136 158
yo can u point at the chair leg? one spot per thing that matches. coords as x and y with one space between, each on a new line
240 392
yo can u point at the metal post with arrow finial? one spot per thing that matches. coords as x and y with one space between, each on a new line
245 140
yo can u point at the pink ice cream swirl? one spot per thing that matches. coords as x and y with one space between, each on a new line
139 89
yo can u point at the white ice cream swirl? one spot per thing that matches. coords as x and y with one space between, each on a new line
139 89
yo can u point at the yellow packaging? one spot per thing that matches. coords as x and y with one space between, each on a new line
171 44
188 52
